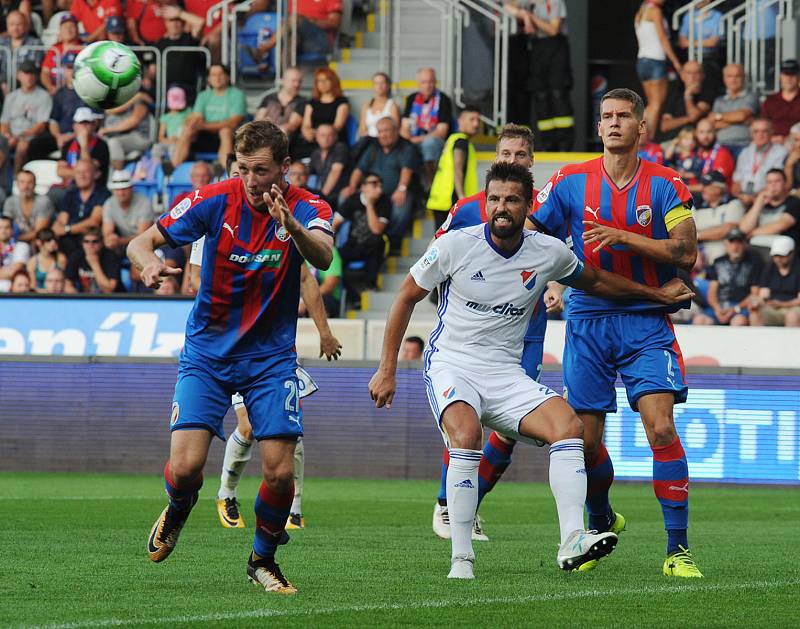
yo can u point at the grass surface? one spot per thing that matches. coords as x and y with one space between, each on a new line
72 554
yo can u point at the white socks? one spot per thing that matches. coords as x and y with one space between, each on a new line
568 484
299 468
237 454
462 499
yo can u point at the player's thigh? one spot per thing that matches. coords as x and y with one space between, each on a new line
650 360
552 421
589 371
532 354
656 410
593 427
188 451
272 397
450 387
201 398
277 460
511 396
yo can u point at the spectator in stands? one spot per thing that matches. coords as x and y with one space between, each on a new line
92 15
756 160
774 212
792 165
681 154
46 259
329 164
688 100
54 282
733 112
426 120
328 105
733 278
318 23
29 211
13 254
145 21
712 154
783 107
330 287
93 268
200 175
413 346
716 216
20 282
219 109
649 150
52 66
25 114
7 7
171 123
85 145
128 128
651 63
286 107
115 27
51 6
17 38
126 213
81 207
211 35
778 298
181 67
298 174
379 106
707 29
457 172
394 160
168 287
369 212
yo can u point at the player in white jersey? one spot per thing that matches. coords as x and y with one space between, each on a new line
490 277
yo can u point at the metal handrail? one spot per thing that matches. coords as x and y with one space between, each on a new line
690 9
12 74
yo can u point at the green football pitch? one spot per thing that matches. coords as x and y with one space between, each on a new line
72 554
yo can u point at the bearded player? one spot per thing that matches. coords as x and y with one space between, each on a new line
632 218
240 335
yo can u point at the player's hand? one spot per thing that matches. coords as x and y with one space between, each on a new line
330 346
724 314
553 301
277 206
382 387
603 235
675 291
155 271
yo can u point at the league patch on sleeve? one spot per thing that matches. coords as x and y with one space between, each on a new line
180 209
320 223
430 257
544 192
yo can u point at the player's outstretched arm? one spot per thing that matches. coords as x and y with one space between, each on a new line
679 249
383 383
613 286
141 252
315 245
309 291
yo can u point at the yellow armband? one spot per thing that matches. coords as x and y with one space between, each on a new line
677 215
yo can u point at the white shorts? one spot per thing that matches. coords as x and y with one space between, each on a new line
305 384
501 399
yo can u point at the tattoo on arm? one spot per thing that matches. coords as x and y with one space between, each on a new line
683 244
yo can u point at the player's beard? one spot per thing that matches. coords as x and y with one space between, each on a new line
505 231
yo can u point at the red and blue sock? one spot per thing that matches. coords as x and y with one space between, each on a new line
599 476
442 497
495 459
182 499
671 486
272 510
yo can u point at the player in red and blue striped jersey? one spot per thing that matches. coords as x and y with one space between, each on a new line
514 146
240 335
632 217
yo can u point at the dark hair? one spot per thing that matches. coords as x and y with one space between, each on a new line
416 340
229 162
262 134
92 231
373 173
303 164
501 171
522 132
469 108
225 68
777 171
623 93
45 233
3 217
27 172
388 81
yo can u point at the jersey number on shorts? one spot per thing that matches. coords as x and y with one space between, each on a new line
292 403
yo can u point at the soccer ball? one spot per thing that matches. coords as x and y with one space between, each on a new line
106 74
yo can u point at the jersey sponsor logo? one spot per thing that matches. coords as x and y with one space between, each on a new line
446 225
431 255
478 277
644 214
251 261
505 310
544 192
180 209
321 223
176 411
449 393
595 213
529 278
230 229
281 233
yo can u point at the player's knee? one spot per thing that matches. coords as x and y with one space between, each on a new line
183 470
663 432
466 436
279 478
570 428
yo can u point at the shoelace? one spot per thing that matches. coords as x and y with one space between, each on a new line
171 523
274 570
685 555
232 508
476 526
445 517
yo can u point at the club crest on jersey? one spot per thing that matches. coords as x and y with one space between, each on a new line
180 209
544 192
448 393
644 214
281 233
176 411
529 278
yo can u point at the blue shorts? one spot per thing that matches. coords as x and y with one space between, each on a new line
268 385
532 359
651 69
641 347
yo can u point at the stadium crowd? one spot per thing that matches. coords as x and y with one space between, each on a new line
738 151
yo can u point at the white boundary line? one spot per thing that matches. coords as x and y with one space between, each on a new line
440 604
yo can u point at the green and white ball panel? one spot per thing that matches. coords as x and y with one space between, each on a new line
107 74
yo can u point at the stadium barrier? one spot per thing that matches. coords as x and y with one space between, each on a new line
112 415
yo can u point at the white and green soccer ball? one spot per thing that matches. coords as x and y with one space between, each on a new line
106 74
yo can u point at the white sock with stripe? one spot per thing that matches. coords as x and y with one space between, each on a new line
299 472
237 454
462 499
568 484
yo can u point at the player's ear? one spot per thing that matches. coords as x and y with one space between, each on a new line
599 132
287 161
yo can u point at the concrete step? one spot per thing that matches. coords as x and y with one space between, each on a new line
424 309
391 282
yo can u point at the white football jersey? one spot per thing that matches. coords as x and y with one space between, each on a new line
486 295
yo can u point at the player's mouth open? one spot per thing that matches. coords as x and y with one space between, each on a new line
502 220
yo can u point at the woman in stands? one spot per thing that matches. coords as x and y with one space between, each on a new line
380 106
49 257
651 64
328 105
